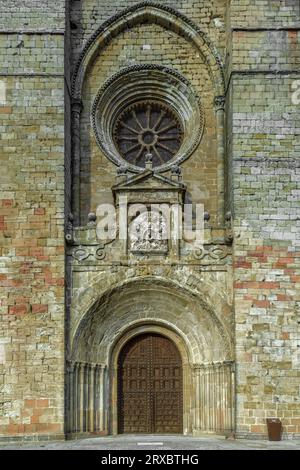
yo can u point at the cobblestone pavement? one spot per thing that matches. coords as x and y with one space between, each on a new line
156 442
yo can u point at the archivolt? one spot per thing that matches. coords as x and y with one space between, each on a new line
152 12
109 313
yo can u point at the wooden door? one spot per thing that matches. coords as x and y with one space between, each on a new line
150 386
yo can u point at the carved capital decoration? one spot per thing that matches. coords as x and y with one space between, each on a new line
219 103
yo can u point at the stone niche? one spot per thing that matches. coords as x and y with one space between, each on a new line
149 198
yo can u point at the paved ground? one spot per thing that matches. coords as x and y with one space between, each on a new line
163 443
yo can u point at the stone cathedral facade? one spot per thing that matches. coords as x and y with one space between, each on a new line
168 103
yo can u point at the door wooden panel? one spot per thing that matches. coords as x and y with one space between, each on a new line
150 386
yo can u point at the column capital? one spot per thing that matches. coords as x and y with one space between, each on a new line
219 102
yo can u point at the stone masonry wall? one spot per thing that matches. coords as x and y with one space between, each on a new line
87 16
31 218
32 15
259 43
265 187
265 13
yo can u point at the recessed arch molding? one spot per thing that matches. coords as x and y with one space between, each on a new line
156 306
154 12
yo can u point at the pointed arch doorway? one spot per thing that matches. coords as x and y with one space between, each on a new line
150 386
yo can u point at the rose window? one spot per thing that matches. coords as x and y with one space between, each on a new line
144 109
148 127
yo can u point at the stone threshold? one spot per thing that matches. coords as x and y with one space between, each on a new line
32 438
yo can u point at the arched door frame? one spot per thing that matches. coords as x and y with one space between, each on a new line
186 371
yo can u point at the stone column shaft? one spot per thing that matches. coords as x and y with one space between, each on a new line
220 116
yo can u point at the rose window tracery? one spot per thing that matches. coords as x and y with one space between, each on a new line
148 127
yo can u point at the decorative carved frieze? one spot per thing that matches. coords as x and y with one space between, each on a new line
84 252
84 240
212 253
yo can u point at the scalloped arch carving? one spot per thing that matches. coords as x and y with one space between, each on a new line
153 12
